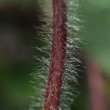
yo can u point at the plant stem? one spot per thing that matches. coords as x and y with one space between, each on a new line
95 83
58 53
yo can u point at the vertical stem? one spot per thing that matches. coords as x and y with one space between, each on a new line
96 86
57 56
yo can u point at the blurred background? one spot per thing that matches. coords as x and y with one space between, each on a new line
96 37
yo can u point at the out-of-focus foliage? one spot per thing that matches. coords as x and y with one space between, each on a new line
96 31
15 86
96 36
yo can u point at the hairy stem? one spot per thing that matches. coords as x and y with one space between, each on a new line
57 59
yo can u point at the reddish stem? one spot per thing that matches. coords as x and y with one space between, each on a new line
96 86
57 56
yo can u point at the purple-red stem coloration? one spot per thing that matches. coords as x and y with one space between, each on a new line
95 83
57 56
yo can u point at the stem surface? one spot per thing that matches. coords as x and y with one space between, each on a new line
58 53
